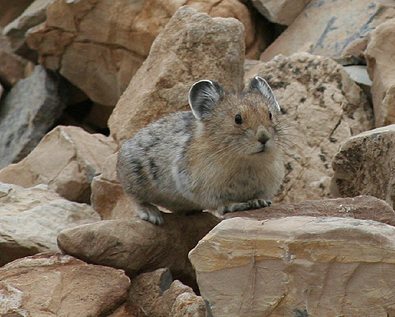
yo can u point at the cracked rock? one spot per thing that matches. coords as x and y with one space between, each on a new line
297 266
322 107
331 28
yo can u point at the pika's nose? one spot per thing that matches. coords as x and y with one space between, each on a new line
263 135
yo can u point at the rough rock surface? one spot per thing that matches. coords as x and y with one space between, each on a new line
108 57
59 285
359 207
297 266
32 218
331 28
193 46
66 159
365 165
155 295
137 245
323 107
28 112
379 56
108 197
12 68
280 12
11 10
17 29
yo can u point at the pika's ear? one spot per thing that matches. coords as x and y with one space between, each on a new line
260 85
203 97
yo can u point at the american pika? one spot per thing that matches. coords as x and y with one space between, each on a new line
224 155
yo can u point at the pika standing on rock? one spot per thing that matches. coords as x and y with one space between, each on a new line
224 155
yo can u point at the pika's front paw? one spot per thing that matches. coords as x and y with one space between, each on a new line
252 204
149 213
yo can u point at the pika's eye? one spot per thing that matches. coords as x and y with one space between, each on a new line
270 116
238 119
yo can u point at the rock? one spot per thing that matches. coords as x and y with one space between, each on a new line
108 197
359 74
322 104
297 266
379 56
27 113
280 12
12 68
186 51
66 159
11 10
109 56
59 285
138 246
364 165
16 30
359 207
331 28
31 219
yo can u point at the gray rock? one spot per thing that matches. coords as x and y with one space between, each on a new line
28 112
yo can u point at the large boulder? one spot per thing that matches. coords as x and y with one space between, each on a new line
322 107
365 165
381 67
58 285
12 68
193 46
102 60
137 246
32 218
66 159
297 266
331 28
27 112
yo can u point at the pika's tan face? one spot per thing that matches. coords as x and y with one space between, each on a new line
243 125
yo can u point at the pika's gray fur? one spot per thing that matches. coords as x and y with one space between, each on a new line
225 154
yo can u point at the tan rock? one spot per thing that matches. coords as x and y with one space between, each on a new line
102 60
297 266
323 107
186 51
66 159
280 12
59 285
364 165
32 218
379 56
108 197
359 207
138 246
331 28
12 68
11 10
16 30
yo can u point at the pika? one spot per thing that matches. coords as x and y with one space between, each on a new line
225 154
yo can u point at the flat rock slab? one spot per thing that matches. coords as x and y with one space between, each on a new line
60 285
32 218
360 207
27 112
136 245
331 28
365 165
297 266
